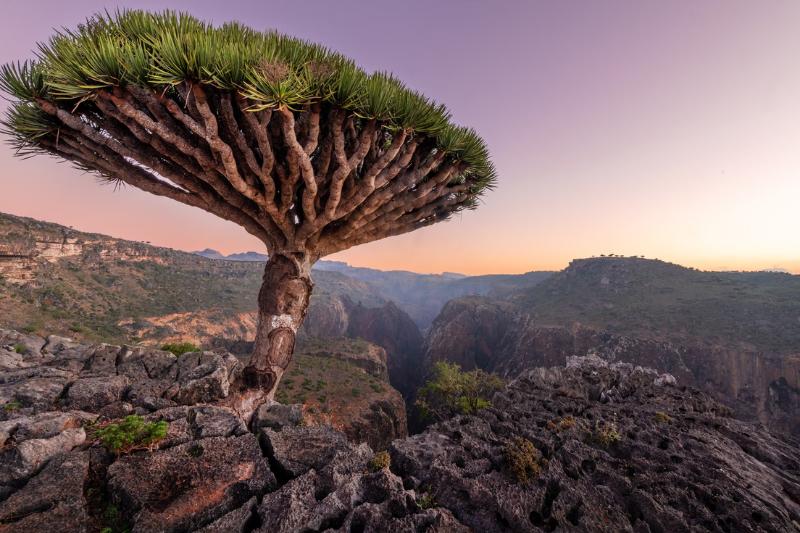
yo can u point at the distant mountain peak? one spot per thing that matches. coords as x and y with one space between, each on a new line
209 253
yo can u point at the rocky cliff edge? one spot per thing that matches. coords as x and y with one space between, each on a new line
587 447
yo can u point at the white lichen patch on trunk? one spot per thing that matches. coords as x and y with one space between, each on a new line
283 321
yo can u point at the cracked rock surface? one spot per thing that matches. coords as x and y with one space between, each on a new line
586 447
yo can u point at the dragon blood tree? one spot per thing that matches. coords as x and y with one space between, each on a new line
286 138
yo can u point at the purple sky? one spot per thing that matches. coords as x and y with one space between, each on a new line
664 129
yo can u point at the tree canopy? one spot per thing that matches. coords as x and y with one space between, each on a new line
194 70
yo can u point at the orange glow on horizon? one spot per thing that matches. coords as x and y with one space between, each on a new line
665 130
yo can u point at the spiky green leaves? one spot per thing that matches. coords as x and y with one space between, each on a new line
271 70
24 81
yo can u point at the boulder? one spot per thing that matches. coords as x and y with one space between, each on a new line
189 486
20 462
92 394
53 498
36 393
204 377
275 415
296 450
145 363
41 426
234 522
32 345
102 360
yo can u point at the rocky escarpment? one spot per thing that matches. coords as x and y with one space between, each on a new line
497 336
344 385
590 447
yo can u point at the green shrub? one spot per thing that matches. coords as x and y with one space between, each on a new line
132 433
607 434
180 348
11 406
662 418
426 501
20 348
355 393
451 391
379 461
523 459
377 387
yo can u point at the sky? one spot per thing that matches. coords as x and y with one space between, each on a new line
664 129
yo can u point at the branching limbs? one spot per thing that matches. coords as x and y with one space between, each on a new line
317 180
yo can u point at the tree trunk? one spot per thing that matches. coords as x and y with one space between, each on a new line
282 304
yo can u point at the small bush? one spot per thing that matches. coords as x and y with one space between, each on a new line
11 406
132 433
355 393
562 424
180 348
451 392
379 461
377 387
426 501
20 348
523 459
607 434
662 418
195 451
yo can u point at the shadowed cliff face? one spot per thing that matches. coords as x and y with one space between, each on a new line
393 329
498 336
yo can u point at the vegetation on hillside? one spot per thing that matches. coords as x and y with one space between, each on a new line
329 387
86 295
654 299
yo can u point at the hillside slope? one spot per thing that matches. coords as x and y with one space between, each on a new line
663 301
96 287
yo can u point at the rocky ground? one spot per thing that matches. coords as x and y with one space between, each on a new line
589 447
497 337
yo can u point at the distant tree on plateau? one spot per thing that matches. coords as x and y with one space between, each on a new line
286 138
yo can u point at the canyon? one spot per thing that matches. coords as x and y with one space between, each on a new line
734 335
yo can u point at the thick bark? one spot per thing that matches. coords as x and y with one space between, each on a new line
282 304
